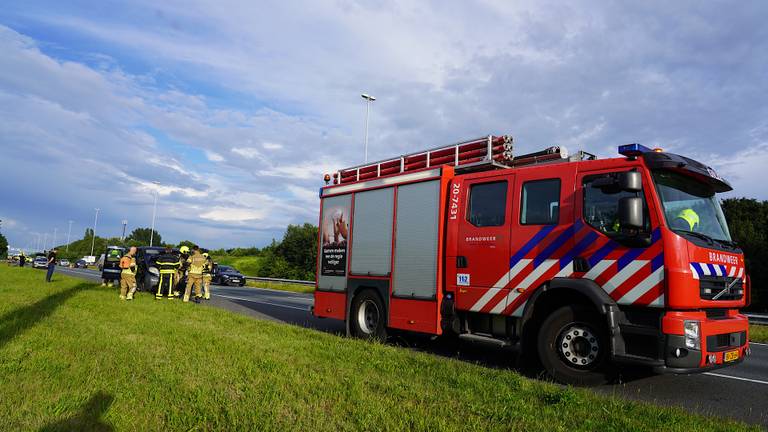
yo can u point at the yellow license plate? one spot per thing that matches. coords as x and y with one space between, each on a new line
731 356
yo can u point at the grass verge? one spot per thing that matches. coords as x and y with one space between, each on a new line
299 288
74 357
248 265
758 333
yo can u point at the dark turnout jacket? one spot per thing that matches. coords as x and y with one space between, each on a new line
168 263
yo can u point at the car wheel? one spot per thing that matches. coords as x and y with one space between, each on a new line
573 347
368 316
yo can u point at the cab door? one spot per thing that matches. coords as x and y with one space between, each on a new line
482 244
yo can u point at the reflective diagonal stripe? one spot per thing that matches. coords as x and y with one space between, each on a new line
501 283
565 271
732 272
500 306
518 312
651 281
659 302
580 247
694 271
623 275
602 252
485 298
741 273
533 242
716 270
598 269
704 269
517 268
524 284
556 244
532 276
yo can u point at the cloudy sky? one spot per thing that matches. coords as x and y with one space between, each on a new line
237 108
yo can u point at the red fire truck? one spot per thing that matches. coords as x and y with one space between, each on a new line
584 263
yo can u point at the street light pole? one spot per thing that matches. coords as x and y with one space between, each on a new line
69 232
95 221
125 224
45 241
55 231
154 212
369 99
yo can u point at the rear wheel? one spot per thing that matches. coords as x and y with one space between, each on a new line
368 316
573 347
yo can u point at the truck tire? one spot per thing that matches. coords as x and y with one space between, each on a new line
573 347
368 316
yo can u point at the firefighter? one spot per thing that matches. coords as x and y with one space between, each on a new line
686 219
207 270
195 276
168 264
128 275
184 256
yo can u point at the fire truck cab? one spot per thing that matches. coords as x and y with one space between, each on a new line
580 262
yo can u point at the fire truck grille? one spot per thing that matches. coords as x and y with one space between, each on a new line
726 341
711 286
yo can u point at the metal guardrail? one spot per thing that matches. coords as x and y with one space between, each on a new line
291 281
757 318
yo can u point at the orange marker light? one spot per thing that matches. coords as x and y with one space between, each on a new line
658 150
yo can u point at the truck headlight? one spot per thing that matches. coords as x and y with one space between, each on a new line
692 335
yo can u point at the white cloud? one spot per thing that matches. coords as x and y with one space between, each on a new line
272 146
213 156
233 214
246 152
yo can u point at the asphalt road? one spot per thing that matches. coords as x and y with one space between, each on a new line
739 392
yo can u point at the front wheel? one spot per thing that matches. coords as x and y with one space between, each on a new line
573 347
368 316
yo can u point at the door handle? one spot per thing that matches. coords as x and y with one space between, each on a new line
461 262
581 265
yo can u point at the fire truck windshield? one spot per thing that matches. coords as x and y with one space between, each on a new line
690 206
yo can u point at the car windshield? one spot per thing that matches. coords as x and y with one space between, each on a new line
225 268
690 205
152 252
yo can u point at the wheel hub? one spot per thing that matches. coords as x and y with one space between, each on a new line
578 345
368 316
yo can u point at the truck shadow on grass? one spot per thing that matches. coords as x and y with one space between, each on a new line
17 321
89 417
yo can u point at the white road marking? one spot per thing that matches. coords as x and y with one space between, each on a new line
758 343
305 309
736 378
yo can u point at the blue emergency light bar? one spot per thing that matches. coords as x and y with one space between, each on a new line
633 150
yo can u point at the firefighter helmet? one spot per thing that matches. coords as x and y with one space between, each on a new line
184 249
690 217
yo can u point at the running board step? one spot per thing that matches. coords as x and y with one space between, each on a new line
503 343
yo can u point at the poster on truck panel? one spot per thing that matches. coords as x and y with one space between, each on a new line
335 238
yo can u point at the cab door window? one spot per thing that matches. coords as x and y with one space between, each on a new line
601 204
487 204
540 202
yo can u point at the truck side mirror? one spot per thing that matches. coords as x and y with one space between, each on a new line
631 181
631 212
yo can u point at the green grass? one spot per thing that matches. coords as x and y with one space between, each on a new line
248 265
758 333
299 288
74 357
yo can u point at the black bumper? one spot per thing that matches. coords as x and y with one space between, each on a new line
687 371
